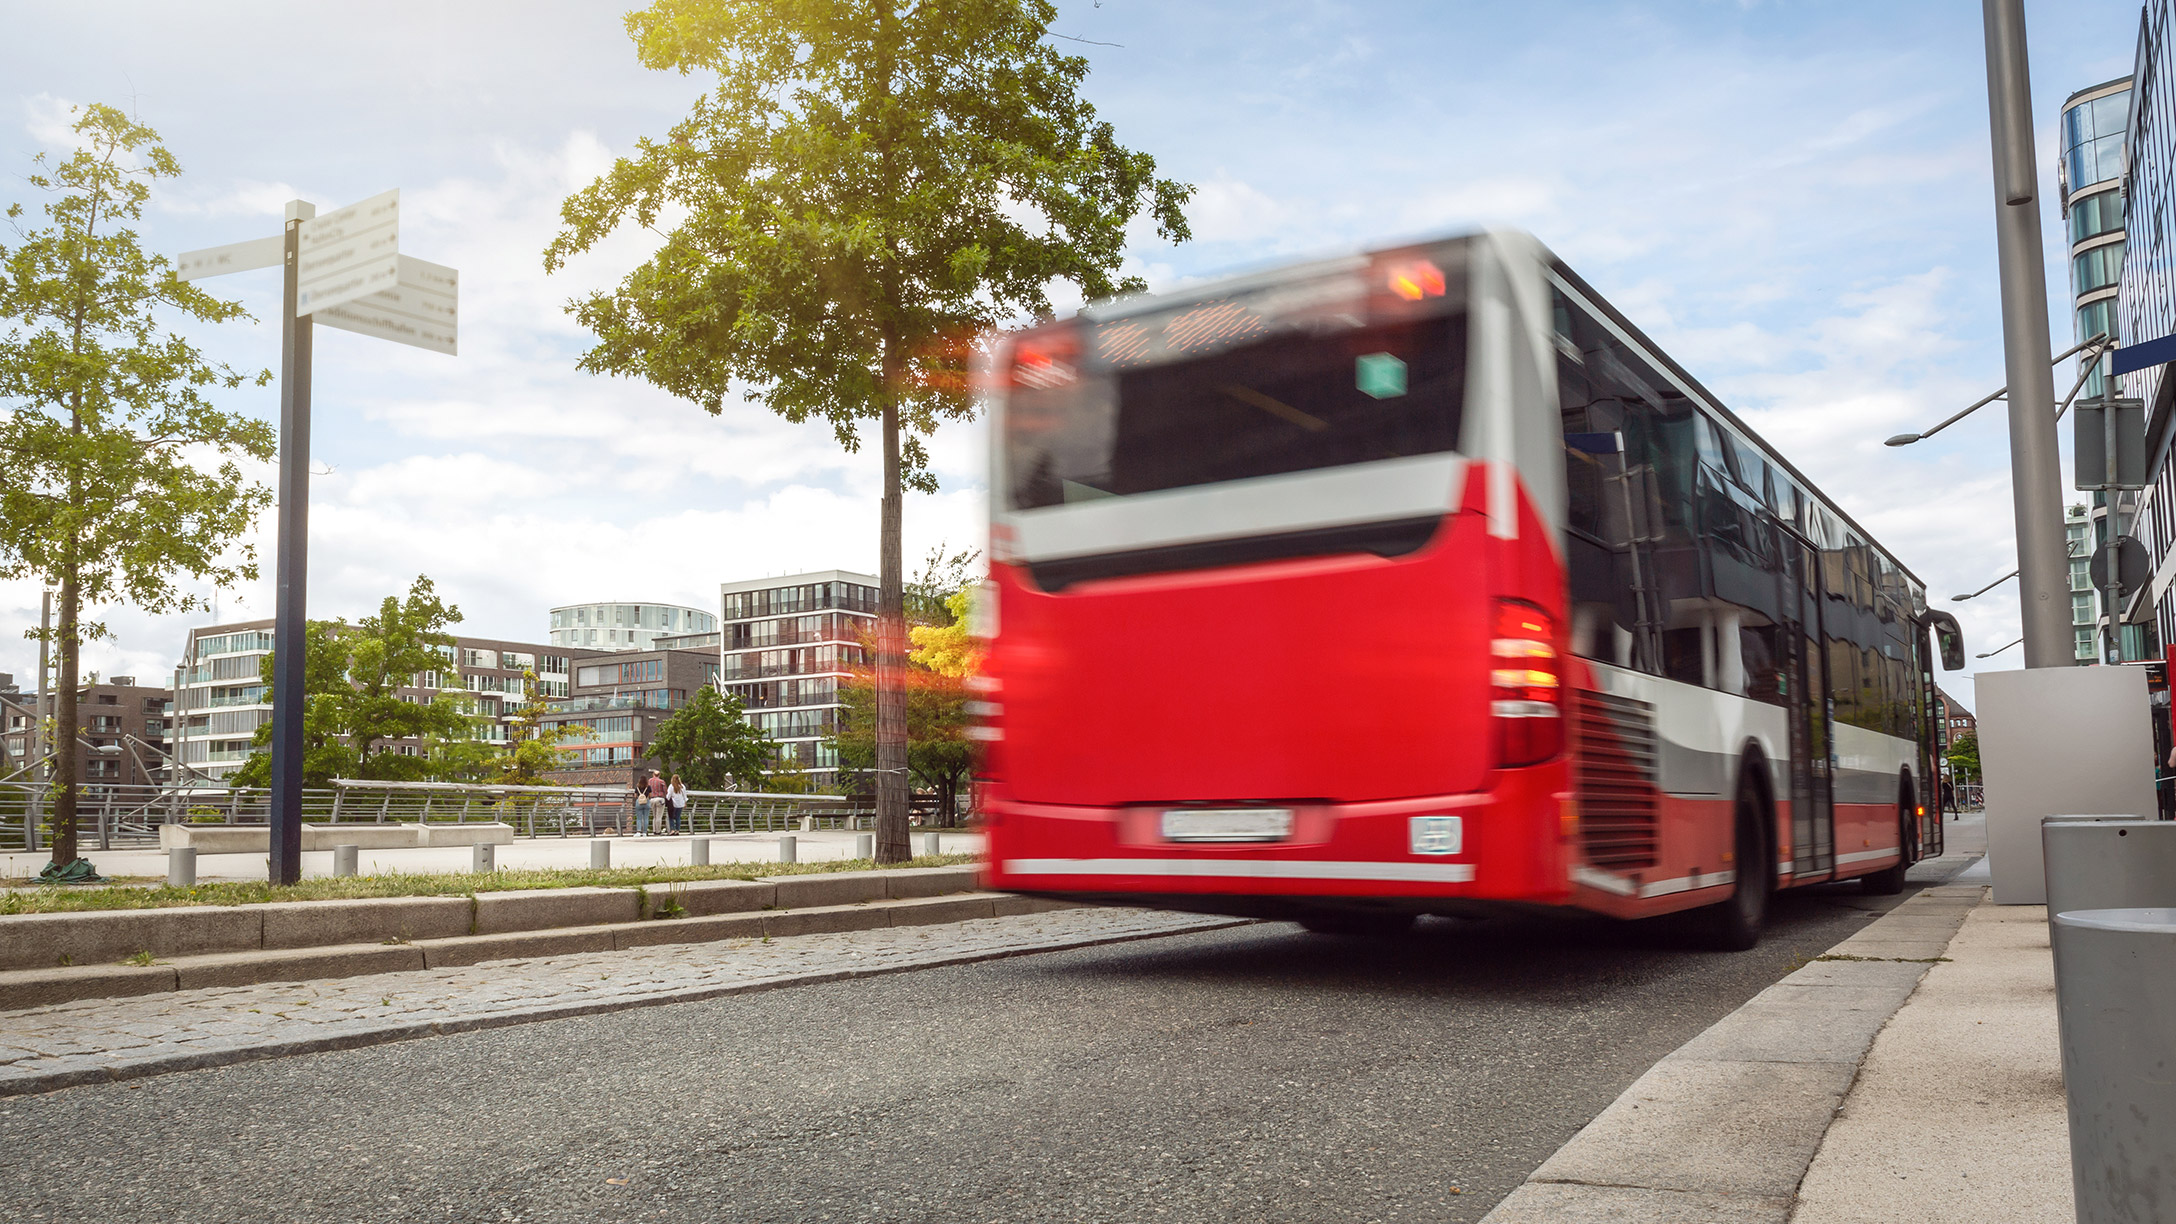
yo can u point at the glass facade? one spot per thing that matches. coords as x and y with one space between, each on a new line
2146 308
625 626
784 648
2093 140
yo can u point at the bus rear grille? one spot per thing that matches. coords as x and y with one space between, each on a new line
1618 811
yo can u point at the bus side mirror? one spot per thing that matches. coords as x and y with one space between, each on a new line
1948 639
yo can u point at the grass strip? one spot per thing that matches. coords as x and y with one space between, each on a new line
63 899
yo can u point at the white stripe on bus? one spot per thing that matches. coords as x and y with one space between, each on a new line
1245 869
1864 856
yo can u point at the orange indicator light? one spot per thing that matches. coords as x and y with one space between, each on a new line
1417 280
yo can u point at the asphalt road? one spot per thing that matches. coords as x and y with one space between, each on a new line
1248 1074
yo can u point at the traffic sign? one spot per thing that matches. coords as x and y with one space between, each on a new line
233 257
2133 568
348 253
420 310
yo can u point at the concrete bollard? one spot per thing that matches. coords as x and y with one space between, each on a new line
181 867
865 845
699 851
483 858
930 844
2115 989
600 855
344 859
786 850
808 824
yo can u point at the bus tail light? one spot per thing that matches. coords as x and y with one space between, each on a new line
1526 688
986 711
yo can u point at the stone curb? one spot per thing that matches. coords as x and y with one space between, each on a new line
38 942
355 1038
1723 1129
44 987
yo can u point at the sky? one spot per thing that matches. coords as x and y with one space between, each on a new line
1793 199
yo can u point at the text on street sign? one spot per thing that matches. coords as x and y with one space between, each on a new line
348 253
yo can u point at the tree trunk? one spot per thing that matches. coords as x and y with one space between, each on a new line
63 739
891 636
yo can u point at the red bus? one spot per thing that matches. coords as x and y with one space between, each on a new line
1422 582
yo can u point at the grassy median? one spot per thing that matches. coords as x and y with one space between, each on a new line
62 899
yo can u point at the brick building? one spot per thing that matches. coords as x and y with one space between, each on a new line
614 706
121 731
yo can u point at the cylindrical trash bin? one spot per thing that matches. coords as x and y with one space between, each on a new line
786 849
181 867
2115 990
483 858
600 854
2108 862
865 845
345 859
699 851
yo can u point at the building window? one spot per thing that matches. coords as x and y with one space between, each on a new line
2096 214
2097 268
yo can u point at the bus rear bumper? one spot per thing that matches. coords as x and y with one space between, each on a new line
1501 844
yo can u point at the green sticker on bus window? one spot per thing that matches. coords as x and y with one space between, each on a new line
1380 375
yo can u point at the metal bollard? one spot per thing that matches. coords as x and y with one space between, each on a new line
2108 862
483 858
344 859
930 845
865 845
181 867
2115 988
699 851
786 850
600 854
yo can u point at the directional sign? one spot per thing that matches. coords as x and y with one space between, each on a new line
348 253
233 257
420 310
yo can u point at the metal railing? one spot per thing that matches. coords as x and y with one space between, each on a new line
110 816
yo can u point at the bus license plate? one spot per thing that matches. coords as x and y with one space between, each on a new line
1228 824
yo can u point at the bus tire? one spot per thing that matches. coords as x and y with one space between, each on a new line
1734 925
1889 881
1365 923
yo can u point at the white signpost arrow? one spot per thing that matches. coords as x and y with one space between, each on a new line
344 270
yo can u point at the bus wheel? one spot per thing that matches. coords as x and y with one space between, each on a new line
1889 881
1373 923
1734 925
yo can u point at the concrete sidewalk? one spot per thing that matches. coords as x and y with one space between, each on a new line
1910 1073
1958 1110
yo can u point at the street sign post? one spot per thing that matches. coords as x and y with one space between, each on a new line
343 269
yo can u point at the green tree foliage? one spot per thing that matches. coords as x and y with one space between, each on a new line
1964 757
355 703
869 185
710 744
940 757
532 749
122 476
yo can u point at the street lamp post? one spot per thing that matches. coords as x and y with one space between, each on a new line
2035 467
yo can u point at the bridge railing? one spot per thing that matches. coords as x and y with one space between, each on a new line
117 815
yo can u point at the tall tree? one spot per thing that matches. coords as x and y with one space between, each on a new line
710 744
355 694
870 185
123 477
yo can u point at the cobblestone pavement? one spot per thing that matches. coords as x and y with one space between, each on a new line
94 1040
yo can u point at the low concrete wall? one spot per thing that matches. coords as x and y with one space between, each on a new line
256 839
42 941
104 938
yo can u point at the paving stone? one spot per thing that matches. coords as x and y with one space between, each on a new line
51 1047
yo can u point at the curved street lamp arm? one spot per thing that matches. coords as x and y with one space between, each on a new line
1983 590
2097 339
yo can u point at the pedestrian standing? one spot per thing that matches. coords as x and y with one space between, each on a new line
676 801
642 805
657 798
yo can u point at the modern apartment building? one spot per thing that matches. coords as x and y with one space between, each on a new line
618 698
785 646
121 731
625 626
224 699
